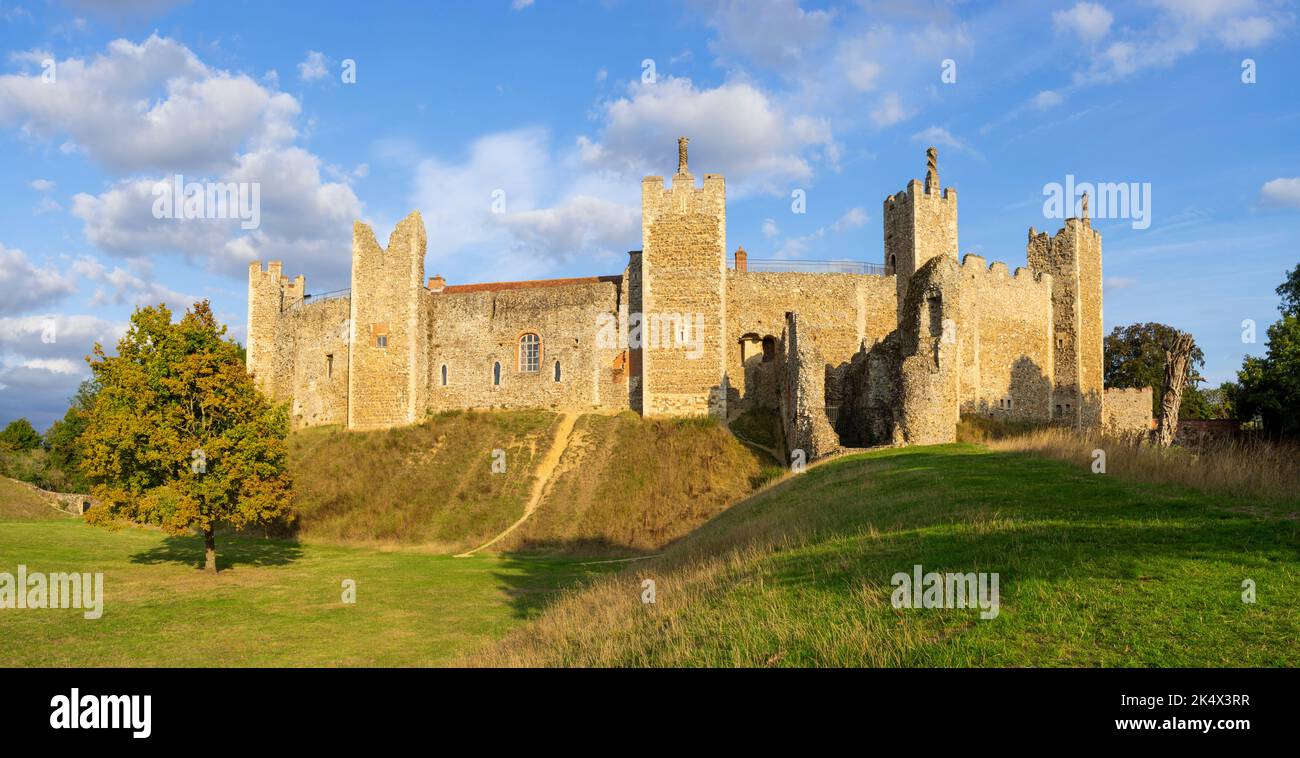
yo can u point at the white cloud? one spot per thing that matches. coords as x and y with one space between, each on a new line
889 111
521 4
42 185
1281 192
776 33
305 221
149 106
1181 28
1047 99
551 211
852 219
134 287
770 230
1087 21
938 136
1247 32
313 67
54 365
27 286
1119 282
735 129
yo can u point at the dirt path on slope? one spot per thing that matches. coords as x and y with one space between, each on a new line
545 469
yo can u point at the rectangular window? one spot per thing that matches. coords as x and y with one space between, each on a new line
381 340
329 366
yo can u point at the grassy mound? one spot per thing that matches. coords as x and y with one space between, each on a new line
21 501
430 484
1094 571
628 484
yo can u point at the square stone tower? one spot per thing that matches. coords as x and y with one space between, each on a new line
684 294
1073 258
389 336
920 224
269 294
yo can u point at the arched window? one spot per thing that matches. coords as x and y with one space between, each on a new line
496 374
893 263
530 352
769 348
444 375
557 371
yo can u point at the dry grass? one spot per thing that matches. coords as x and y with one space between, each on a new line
1257 470
429 484
1096 571
628 484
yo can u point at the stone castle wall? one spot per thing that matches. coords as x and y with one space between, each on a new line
865 359
1073 257
803 414
683 272
837 312
1004 341
472 331
1127 411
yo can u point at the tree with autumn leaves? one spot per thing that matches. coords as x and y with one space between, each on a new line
178 435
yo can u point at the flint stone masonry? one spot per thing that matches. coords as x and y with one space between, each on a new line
847 359
1127 411
803 419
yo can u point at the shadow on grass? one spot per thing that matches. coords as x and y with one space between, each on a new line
231 552
535 576
947 508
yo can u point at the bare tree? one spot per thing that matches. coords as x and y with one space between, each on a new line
1177 357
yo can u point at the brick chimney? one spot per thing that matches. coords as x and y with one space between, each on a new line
437 283
742 259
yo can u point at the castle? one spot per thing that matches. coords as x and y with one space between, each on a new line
888 354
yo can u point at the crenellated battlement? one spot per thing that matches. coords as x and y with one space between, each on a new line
975 267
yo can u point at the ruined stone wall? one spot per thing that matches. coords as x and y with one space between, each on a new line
928 384
803 405
471 331
388 369
1004 343
1073 257
631 303
683 236
1127 411
837 312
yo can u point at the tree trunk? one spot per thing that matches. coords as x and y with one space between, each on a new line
210 545
1176 360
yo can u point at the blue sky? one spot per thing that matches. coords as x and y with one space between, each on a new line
549 103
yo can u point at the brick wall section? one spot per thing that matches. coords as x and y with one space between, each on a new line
1127 411
803 406
684 242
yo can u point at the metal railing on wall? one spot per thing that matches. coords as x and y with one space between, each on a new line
817 267
317 297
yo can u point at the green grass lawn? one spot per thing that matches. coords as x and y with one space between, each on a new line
275 603
1094 571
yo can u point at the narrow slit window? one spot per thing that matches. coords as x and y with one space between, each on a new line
444 374
496 374
557 371
329 366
